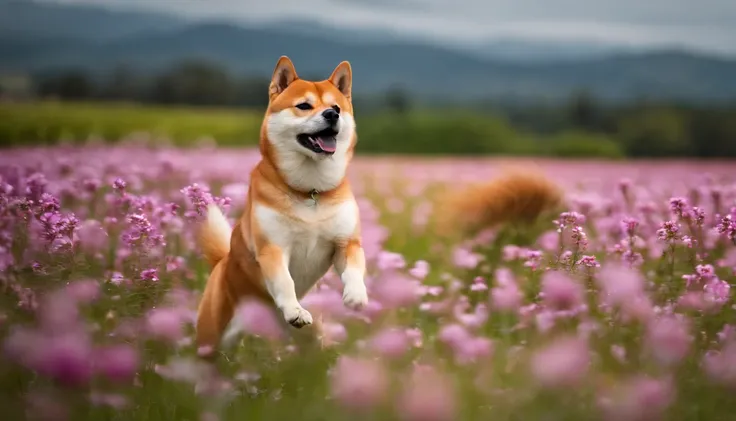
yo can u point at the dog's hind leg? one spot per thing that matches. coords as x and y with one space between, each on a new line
215 309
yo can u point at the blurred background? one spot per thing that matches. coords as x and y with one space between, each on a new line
569 78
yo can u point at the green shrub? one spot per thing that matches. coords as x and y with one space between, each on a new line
584 145
435 132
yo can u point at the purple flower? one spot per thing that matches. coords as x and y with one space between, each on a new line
92 237
629 226
464 258
560 292
638 398
118 363
620 284
427 396
569 219
562 363
119 185
166 324
391 343
256 318
717 292
669 231
679 206
359 384
668 339
588 261
150 275
420 269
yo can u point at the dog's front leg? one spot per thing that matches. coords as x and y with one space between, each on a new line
274 263
349 262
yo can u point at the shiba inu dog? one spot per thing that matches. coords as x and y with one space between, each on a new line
300 217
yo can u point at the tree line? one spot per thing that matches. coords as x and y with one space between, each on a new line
583 125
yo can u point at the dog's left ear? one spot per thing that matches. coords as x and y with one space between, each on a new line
283 75
342 78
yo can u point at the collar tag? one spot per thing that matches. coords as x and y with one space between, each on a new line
313 194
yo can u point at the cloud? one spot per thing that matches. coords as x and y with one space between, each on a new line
707 24
410 5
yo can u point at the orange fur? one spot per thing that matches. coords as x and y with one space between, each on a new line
512 197
263 256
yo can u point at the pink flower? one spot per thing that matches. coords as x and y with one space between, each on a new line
726 333
479 284
58 312
639 398
150 275
512 252
66 358
334 333
359 383
326 301
166 324
560 292
84 292
453 334
415 336
619 353
427 396
117 363
465 347
563 363
396 291
720 366
390 261
549 241
420 269
668 339
464 258
256 318
620 284
717 292
391 343
506 297
92 237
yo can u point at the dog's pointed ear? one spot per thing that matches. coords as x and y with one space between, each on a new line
283 75
342 78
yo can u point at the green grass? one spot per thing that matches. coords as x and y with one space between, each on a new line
435 132
50 122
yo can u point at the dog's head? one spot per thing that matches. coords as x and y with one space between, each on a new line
313 118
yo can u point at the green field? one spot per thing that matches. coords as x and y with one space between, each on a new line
50 122
620 309
417 132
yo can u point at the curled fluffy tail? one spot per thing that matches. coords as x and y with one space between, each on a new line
512 197
214 235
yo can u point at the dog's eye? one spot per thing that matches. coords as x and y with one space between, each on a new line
304 106
336 108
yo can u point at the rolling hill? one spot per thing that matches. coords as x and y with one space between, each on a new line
36 37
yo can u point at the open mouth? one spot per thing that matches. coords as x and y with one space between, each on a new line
323 142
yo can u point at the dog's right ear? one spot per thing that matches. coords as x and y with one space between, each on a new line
283 75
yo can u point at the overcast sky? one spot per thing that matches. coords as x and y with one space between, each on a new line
703 24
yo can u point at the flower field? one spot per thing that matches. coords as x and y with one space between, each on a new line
615 307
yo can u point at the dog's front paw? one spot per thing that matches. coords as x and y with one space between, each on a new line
354 295
297 316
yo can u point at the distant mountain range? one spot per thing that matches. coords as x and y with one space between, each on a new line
42 36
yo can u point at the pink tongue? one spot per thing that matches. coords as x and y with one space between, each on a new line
328 146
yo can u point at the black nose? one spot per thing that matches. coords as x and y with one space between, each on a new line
330 115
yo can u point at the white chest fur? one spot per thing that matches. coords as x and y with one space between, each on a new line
307 236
